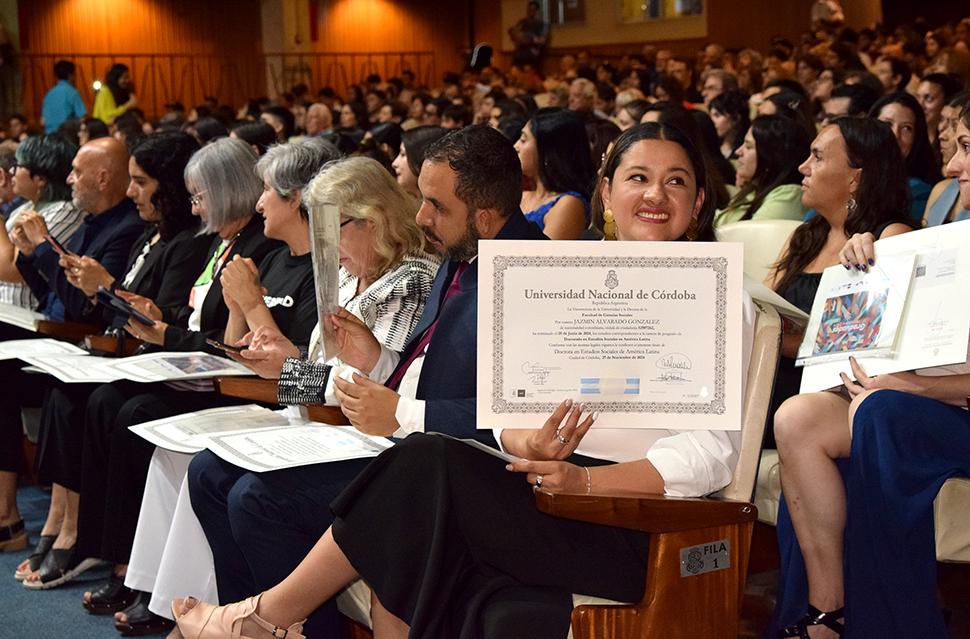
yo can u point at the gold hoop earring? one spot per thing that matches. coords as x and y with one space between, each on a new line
609 225
693 230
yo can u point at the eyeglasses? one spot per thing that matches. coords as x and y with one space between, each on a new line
346 222
196 199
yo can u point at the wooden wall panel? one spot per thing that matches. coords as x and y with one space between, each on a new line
177 49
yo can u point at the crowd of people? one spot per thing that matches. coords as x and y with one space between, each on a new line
200 220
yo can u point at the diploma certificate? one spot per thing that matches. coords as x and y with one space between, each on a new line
646 333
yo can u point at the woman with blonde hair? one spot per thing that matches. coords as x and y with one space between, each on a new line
385 278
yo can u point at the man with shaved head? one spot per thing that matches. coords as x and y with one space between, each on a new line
99 180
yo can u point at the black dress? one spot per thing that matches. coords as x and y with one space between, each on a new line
437 529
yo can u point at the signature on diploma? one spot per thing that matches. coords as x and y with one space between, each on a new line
674 367
537 374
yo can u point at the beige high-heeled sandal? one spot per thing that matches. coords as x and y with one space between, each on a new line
206 621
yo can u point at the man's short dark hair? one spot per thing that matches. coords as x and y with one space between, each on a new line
861 97
63 69
285 116
488 173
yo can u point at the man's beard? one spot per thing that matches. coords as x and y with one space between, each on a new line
464 248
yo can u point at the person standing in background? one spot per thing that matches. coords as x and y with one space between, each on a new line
62 102
530 35
116 95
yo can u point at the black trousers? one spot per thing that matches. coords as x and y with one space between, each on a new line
439 529
61 438
115 461
17 390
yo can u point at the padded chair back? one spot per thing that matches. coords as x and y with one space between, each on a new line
760 383
762 241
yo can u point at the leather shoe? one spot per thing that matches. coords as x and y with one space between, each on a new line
142 621
110 597
13 537
60 567
205 621
36 558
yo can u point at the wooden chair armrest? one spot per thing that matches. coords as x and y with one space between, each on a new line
256 389
109 344
70 331
265 390
647 513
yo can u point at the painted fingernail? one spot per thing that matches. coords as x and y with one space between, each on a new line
848 267
871 261
595 415
582 408
508 467
569 402
865 268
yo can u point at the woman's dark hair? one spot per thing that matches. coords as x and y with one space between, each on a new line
111 81
796 107
257 134
882 196
416 141
163 157
667 133
563 151
69 129
677 116
508 107
96 128
360 113
949 82
636 109
206 130
601 133
129 126
781 145
707 136
49 157
511 126
734 104
922 162
671 86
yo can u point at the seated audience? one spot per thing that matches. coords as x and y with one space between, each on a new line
731 117
39 179
91 129
768 178
855 178
407 164
630 113
934 91
944 205
902 113
430 475
903 437
853 100
554 153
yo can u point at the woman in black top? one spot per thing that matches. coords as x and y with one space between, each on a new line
855 178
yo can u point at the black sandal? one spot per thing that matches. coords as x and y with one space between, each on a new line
815 617
112 596
13 537
142 621
36 558
60 567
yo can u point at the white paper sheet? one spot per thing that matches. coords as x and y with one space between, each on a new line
762 293
19 316
74 369
935 327
189 433
289 446
19 348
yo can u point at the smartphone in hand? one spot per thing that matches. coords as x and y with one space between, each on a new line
111 300
57 246
222 346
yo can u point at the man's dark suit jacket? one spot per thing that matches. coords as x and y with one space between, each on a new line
448 375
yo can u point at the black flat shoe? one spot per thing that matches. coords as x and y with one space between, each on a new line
142 621
36 558
60 567
110 597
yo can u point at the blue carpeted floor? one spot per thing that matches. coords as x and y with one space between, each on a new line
45 613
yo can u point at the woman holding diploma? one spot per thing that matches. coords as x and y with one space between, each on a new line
908 435
855 178
476 516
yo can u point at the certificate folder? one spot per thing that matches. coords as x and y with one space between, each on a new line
646 333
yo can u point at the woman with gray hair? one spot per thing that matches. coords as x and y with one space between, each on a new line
385 279
278 293
40 176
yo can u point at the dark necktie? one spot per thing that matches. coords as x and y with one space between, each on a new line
395 380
